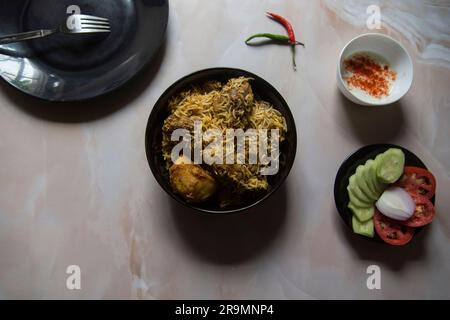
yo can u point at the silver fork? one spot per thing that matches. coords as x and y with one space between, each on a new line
75 24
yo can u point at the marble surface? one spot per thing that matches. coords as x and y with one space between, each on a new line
75 187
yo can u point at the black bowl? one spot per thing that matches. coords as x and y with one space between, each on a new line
262 90
348 168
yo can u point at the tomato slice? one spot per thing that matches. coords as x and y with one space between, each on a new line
392 231
423 214
418 180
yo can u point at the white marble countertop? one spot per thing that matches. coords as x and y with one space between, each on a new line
75 187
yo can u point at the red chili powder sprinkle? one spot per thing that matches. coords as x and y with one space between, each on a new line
369 76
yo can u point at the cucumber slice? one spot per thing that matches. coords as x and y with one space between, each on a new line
361 180
390 165
369 174
362 214
374 183
353 185
355 200
363 228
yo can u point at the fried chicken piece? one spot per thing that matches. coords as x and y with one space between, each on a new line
241 177
241 101
192 182
173 122
211 86
242 95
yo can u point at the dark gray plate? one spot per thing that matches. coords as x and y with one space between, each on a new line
348 168
77 67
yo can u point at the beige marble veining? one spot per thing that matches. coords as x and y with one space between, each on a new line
75 187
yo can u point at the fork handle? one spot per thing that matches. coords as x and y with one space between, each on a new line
26 36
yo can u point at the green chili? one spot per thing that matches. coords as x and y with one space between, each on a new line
277 37
293 56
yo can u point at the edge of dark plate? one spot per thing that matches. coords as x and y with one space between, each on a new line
106 92
348 167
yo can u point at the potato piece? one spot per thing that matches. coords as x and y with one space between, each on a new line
192 182
183 160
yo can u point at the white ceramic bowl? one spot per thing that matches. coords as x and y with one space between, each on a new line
388 49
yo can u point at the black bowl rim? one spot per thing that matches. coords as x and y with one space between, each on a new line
271 191
341 172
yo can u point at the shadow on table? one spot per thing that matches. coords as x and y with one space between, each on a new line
232 238
391 256
92 109
373 124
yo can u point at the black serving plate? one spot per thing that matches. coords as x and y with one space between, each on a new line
348 168
262 90
78 67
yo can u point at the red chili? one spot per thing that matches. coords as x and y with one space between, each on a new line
290 30
286 24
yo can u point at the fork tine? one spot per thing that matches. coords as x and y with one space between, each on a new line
106 23
85 16
88 17
95 31
92 26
